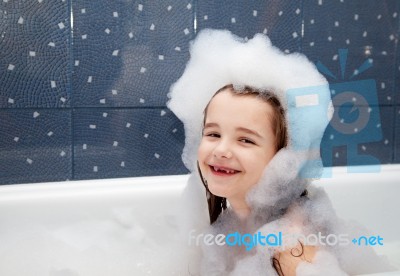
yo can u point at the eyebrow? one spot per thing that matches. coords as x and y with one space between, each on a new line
243 129
253 132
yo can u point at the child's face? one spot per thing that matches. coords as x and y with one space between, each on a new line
238 142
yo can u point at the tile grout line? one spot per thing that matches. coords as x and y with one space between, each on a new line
70 76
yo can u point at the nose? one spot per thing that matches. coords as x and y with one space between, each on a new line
222 149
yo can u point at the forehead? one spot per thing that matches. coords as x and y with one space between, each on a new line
239 108
229 100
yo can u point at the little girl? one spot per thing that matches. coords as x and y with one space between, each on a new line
242 132
254 119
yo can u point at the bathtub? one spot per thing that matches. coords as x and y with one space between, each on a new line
120 226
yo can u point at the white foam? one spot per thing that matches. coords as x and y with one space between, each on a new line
219 58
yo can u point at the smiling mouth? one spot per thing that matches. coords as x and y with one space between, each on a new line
223 171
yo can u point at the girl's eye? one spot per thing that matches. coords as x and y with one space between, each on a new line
214 135
247 141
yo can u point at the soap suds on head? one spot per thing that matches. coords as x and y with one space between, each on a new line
219 58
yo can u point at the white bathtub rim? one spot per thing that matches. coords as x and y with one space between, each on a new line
155 184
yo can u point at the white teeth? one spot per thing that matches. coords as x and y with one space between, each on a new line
224 170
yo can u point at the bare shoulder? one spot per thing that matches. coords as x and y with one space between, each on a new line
287 261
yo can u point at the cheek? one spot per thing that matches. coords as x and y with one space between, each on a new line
257 169
259 161
202 152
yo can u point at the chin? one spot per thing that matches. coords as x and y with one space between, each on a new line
221 193
216 191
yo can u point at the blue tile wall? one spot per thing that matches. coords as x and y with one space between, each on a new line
280 20
127 53
368 29
124 142
35 53
84 83
372 145
397 136
35 145
397 76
